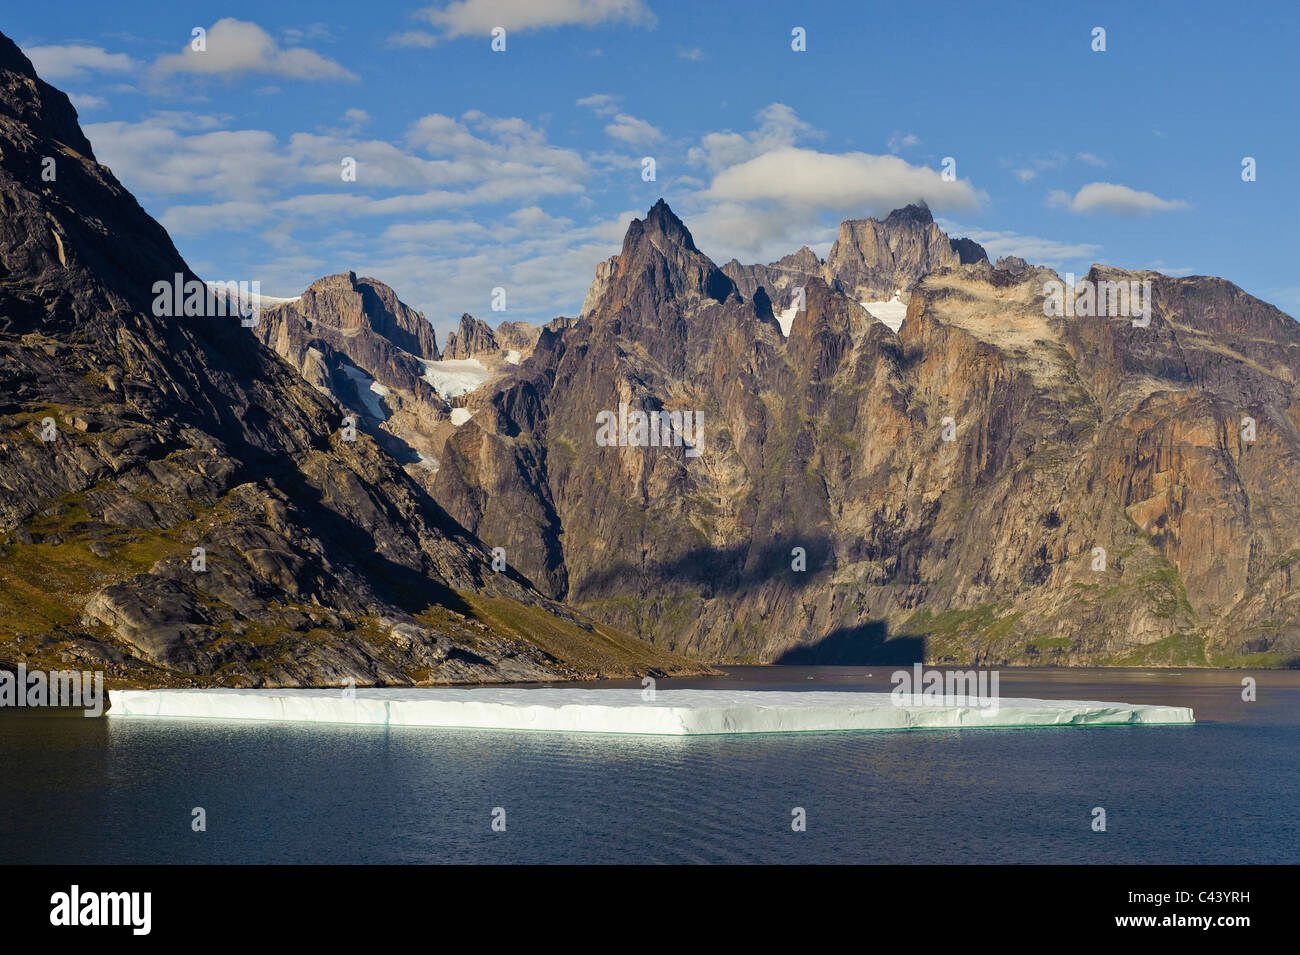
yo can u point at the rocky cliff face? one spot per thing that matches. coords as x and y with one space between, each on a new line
342 325
472 338
177 504
871 259
995 483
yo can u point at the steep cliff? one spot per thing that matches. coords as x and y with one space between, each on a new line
178 504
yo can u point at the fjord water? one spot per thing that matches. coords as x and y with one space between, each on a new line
76 790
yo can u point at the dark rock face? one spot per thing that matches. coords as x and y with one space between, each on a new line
968 251
472 338
996 484
178 504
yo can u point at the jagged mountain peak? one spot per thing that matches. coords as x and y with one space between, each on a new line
917 212
661 222
472 337
659 262
27 98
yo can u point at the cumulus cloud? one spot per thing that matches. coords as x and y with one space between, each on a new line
634 131
602 104
354 119
478 17
237 47
839 181
1110 197
778 128
76 61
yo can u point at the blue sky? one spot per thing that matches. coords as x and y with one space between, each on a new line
520 169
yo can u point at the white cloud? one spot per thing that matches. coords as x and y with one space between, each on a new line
478 17
237 47
693 53
354 119
1109 197
779 128
634 131
85 102
759 233
76 61
900 141
602 104
413 38
839 181
312 31
251 181
1090 158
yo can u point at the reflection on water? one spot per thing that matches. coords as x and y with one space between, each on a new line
76 790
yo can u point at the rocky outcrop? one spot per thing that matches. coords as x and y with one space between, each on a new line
871 259
997 483
179 505
344 334
777 280
473 337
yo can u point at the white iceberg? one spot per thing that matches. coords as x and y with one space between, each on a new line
669 713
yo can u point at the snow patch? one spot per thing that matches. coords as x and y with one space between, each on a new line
670 713
263 300
786 319
369 391
890 313
460 415
512 357
455 377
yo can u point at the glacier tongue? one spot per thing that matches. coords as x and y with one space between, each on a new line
670 713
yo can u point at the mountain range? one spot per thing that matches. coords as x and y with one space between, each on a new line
901 452
180 505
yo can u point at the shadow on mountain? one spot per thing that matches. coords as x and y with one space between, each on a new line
867 644
720 571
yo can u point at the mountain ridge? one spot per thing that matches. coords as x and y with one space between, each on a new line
179 506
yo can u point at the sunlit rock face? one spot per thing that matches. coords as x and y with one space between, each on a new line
985 482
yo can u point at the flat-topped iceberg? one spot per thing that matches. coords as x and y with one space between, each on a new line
669 713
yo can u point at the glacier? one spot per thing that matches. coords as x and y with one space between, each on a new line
455 377
626 711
